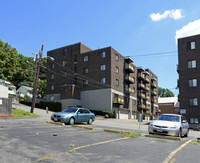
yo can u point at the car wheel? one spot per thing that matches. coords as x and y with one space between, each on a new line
180 133
90 121
186 135
71 121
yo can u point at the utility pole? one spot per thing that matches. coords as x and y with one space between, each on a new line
36 79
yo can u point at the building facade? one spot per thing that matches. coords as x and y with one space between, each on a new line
189 78
101 79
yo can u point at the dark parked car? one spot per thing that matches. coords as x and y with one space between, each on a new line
170 124
73 115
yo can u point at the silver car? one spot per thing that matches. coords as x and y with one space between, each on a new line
169 124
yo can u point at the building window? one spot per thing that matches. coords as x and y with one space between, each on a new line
133 89
126 86
85 59
64 63
193 83
194 120
116 57
52 66
52 87
65 51
134 102
103 80
133 79
193 102
103 67
51 98
117 70
192 64
117 82
85 82
52 76
85 70
52 55
103 54
191 45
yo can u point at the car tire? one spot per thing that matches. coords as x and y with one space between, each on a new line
180 133
71 121
186 135
90 121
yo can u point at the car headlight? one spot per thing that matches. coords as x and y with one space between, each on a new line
173 127
65 116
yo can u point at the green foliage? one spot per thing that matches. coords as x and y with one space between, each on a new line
162 92
53 106
114 114
130 134
19 70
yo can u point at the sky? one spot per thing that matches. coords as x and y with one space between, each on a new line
146 30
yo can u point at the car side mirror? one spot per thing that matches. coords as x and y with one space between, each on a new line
184 121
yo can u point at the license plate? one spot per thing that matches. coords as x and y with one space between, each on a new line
55 119
159 130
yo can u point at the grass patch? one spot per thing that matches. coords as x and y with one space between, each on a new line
72 151
21 113
130 134
196 143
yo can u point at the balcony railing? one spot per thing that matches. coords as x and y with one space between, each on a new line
153 100
153 85
129 79
147 88
140 85
129 67
128 90
154 93
158 110
118 100
148 107
140 75
142 95
147 79
142 106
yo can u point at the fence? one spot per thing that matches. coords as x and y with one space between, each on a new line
5 106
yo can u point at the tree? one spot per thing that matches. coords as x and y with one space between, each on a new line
162 92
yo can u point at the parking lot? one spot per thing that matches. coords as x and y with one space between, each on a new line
31 140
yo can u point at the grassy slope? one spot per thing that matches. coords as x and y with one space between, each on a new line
21 113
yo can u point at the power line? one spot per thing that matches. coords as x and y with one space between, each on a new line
154 54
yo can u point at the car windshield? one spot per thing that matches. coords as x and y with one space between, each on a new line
70 110
173 118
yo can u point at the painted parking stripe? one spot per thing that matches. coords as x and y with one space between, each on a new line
176 150
80 147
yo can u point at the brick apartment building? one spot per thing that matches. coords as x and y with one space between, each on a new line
189 78
101 79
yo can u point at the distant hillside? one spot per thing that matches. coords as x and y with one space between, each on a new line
18 69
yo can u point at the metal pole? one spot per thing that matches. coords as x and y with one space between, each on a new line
36 81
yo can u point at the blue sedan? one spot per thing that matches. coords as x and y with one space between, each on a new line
73 115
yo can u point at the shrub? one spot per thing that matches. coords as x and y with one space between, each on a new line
103 113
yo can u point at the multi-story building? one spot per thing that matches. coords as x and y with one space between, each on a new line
101 79
189 78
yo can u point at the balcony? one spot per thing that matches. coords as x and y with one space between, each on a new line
158 110
153 93
147 88
153 100
141 75
128 90
129 68
140 85
118 100
129 79
147 107
142 106
142 95
148 98
147 80
153 85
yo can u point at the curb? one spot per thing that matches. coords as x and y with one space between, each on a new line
164 137
112 130
57 123
84 127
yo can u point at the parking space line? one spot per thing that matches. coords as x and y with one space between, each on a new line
80 147
176 150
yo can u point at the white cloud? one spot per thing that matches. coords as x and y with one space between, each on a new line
174 14
192 28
